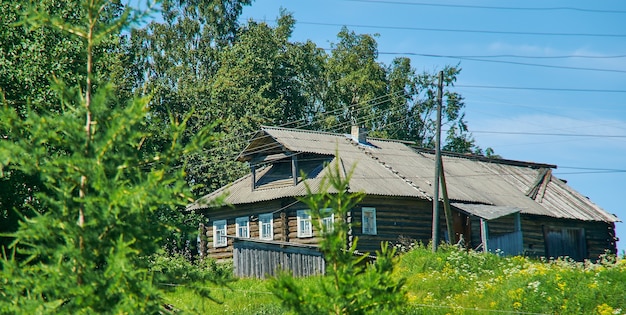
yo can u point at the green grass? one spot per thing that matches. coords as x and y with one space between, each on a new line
245 296
460 282
454 282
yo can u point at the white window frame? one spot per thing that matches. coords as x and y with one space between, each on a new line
371 229
220 230
266 220
305 226
242 225
328 220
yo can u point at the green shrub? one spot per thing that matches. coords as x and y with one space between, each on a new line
350 285
177 269
100 188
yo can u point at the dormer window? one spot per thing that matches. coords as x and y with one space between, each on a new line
288 170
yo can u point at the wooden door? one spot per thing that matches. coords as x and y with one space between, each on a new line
462 226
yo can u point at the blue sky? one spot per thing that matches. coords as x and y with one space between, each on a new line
570 110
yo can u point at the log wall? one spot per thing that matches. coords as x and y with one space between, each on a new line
598 236
396 217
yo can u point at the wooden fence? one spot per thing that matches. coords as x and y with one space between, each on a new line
260 259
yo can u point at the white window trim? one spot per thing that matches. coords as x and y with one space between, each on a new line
239 222
364 229
304 217
325 212
270 217
220 241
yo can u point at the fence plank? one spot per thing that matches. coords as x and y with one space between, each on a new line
260 259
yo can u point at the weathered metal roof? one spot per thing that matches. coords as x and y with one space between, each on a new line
487 212
394 168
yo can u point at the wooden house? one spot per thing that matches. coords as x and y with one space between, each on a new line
498 205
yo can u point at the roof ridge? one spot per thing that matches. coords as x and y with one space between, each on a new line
301 130
394 172
482 158
393 140
413 145
263 127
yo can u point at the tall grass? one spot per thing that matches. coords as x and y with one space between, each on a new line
458 281
453 281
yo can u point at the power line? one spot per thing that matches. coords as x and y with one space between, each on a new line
481 59
589 170
540 88
593 169
503 56
542 65
318 115
372 116
549 134
429 29
491 7
335 128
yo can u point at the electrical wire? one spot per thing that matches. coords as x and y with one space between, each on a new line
464 6
431 29
540 88
302 122
550 134
361 105
499 56
482 59
337 127
372 116
541 65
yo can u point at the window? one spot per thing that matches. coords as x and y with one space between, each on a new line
368 221
243 227
280 173
219 233
328 219
304 224
266 226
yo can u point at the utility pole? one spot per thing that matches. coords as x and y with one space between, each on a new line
437 165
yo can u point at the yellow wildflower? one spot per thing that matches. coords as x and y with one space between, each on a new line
605 309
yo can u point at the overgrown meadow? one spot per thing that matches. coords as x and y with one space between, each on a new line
451 281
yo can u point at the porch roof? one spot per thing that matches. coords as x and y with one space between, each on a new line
487 212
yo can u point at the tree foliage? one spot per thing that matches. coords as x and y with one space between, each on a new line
356 81
177 59
99 189
249 75
31 59
351 285
99 130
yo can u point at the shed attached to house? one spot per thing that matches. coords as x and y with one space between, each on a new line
512 206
